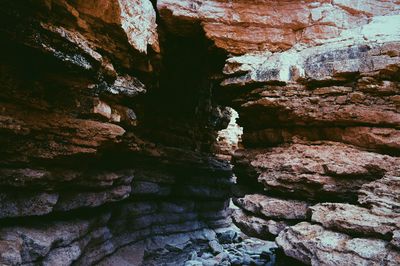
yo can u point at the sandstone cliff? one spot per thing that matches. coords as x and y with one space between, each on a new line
89 164
118 134
316 86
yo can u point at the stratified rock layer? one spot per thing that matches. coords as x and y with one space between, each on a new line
241 27
273 207
95 155
314 245
316 86
258 227
113 148
353 219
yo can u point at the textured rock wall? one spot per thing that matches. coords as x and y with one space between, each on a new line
250 26
110 130
316 86
320 114
103 146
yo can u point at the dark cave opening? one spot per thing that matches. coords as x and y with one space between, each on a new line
181 110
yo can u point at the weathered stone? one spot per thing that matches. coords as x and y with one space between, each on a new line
298 106
63 256
396 239
314 245
126 86
90 98
193 263
273 207
129 255
229 139
256 226
260 26
352 52
50 178
14 205
215 247
228 236
354 220
314 171
139 32
79 137
74 200
36 243
384 140
382 195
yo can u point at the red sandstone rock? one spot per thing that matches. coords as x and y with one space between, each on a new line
241 26
319 170
300 74
139 32
353 219
314 245
385 140
78 132
80 136
274 208
256 226
382 196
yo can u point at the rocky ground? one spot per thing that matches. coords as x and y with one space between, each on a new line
226 246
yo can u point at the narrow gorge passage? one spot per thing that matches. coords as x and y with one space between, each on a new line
209 132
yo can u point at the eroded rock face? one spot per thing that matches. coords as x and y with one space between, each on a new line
116 142
353 219
88 164
396 239
314 245
258 227
381 195
364 49
242 27
229 139
274 207
320 119
328 170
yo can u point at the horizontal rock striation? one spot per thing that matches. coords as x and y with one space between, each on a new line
117 148
313 245
89 239
321 126
241 27
315 84
97 158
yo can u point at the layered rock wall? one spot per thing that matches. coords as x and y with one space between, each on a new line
111 117
96 153
321 132
316 86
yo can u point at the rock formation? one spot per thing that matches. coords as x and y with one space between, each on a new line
321 128
89 164
118 134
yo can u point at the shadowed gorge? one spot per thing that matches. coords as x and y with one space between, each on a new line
212 132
